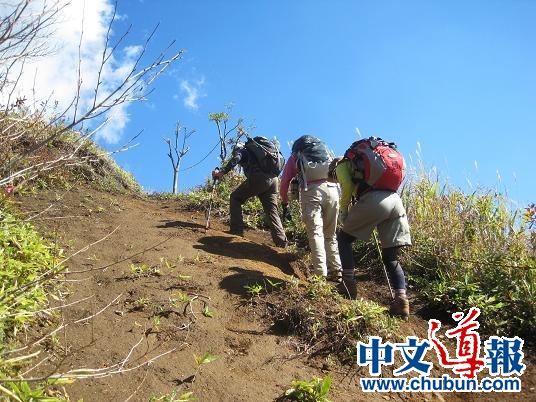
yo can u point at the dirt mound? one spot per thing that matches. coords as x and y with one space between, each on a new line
154 293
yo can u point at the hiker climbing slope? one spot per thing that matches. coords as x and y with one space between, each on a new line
262 162
319 197
371 171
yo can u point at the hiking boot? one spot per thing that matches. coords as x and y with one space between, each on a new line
316 272
334 276
236 232
348 287
400 307
282 244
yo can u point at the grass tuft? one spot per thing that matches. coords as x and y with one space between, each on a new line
471 250
325 321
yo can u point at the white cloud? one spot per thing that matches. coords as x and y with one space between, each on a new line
133 51
56 75
193 93
117 121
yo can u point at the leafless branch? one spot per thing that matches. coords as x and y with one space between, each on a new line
130 353
98 312
34 367
47 310
138 387
23 35
177 152
79 83
61 327
93 373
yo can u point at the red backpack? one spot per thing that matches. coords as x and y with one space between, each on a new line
383 167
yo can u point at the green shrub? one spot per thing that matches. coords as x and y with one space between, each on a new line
25 259
314 390
471 250
173 396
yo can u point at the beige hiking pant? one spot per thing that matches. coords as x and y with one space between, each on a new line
381 209
320 208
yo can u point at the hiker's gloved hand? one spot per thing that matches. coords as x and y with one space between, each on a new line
217 174
287 217
342 217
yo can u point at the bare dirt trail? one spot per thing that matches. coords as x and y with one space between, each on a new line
195 304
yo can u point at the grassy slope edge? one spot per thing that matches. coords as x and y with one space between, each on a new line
29 263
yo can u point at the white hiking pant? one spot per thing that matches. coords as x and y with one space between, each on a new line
320 208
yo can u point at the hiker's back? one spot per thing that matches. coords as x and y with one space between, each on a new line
313 159
381 165
319 199
264 158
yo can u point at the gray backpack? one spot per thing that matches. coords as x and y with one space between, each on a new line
313 157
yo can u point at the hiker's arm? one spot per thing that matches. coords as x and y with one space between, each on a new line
344 175
289 171
236 158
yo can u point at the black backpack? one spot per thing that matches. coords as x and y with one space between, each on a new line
266 155
312 148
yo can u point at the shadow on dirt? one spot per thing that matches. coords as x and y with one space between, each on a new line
426 311
244 250
237 283
180 224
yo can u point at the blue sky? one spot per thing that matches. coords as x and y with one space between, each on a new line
457 77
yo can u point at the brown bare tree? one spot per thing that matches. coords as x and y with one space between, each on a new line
177 152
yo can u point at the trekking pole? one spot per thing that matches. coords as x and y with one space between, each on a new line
383 265
211 201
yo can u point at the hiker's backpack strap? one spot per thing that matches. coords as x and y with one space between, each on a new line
313 159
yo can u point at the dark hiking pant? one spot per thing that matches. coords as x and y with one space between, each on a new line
389 257
266 190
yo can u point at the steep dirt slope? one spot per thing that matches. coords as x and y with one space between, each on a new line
150 309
